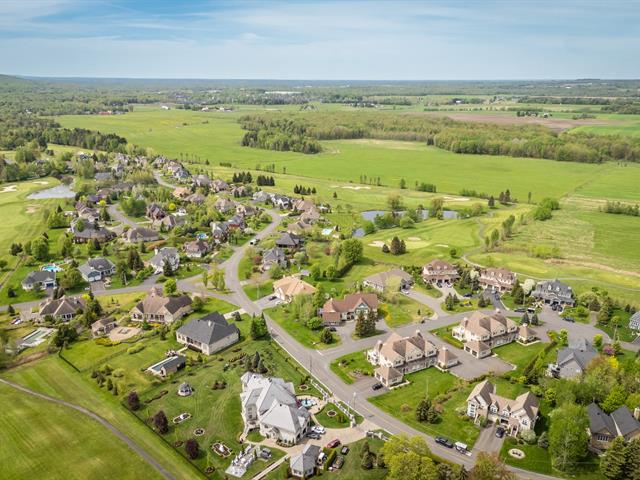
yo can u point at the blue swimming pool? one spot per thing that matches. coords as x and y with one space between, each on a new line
51 268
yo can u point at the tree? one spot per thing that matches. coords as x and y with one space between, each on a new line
197 303
633 460
517 293
170 287
40 249
490 467
613 461
326 336
258 328
15 249
205 278
615 399
352 251
543 440
192 448
161 423
134 261
367 461
568 436
395 246
403 183
395 202
408 459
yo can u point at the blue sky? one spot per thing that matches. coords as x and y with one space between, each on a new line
382 40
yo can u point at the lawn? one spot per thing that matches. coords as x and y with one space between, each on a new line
444 389
445 334
405 310
294 327
340 420
622 330
35 432
258 290
518 355
352 366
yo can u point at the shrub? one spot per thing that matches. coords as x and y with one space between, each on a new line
135 349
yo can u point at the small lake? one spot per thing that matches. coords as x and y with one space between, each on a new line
358 233
60 191
450 215
371 214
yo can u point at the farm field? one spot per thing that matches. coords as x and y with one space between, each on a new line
34 433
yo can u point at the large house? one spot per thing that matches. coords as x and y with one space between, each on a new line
573 360
136 235
208 334
219 231
224 205
515 415
40 279
480 332
634 321
554 292
288 287
272 257
156 308
304 464
197 248
381 281
603 428
165 255
440 272
97 269
289 240
497 279
399 355
63 308
90 232
270 404
334 312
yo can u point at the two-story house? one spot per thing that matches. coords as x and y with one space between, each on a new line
497 279
440 272
334 312
554 292
480 332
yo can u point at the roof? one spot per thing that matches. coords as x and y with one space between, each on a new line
285 417
198 245
292 286
397 347
477 346
579 351
288 239
388 373
100 264
350 302
526 332
174 362
306 460
382 279
62 306
485 393
165 252
103 322
138 234
154 302
481 324
445 355
208 329
439 265
619 423
39 276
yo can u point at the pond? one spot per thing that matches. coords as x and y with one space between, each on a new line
60 191
450 215
371 214
358 233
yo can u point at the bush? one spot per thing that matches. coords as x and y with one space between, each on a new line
135 349
529 436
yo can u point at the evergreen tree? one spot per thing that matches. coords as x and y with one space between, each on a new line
613 461
633 460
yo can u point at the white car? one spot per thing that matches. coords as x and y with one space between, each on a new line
319 429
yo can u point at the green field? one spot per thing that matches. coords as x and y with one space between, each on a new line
351 366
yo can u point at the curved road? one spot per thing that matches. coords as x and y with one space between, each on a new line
127 440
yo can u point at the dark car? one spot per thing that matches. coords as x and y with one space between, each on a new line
333 443
499 432
333 329
445 442
520 310
468 295
377 386
313 435
569 319
339 462
344 450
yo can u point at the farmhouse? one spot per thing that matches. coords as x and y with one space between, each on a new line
573 360
516 415
39 279
288 287
304 464
396 277
603 428
208 334
481 332
440 273
554 292
102 326
137 235
166 255
270 404
497 279
97 269
63 308
334 312
156 308
399 355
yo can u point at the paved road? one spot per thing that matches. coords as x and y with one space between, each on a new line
126 439
162 181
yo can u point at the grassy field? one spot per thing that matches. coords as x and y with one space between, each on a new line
35 432
307 337
351 366
404 311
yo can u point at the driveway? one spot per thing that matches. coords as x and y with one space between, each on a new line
429 301
487 440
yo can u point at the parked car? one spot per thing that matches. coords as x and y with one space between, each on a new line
321 458
344 450
313 435
461 447
500 432
333 443
569 319
520 310
531 310
272 297
338 462
333 329
444 441
318 429
253 241
377 386
468 295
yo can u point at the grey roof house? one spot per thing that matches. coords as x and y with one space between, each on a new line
39 279
304 464
603 428
573 360
554 292
156 308
634 321
136 235
63 308
272 257
208 334
96 269
380 281
165 255
289 240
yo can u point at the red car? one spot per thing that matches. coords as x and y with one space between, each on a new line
333 443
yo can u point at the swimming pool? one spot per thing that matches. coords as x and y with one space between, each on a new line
36 337
51 268
156 368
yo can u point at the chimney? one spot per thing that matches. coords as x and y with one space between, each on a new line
209 322
636 413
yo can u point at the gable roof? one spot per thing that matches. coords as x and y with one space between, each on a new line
382 279
154 302
579 351
208 329
619 423
306 460
350 302
39 276
62 306
292 286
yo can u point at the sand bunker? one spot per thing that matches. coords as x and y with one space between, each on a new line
352 187
377 243
442 245
32 209
414 239
456 199
9 188
41 182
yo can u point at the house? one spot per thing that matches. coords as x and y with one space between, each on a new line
202 181
39 279
270 404
395 276
219 231
168 223
481 332
400 355
554 292
181 192
289 240
281 201
165 255
170 366
515 415
196 198
208 334
497 279
261 196
310 217
102 177
97 269
90 232
246 210
137 235
224 205
526 334
156 308
634 321
573 360
197 248
236 223
303 465
88 214
239 191
272 257
219 185
102 326
603 428
288 287
334 312
155 212
298 227
302 205
446 359
63 308
440 273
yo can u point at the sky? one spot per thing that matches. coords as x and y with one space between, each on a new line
359 40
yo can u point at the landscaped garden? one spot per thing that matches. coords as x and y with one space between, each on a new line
352 366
